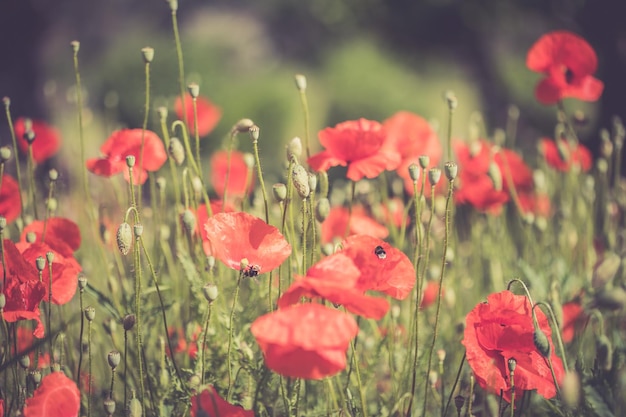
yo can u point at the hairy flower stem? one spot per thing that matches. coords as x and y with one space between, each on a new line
456 382
304 232
350 204
79 109
195 131
82 327
30 168
138 335
357 372
446 237
50 308
179 58
254 133
89 364
204 336
144 125
230 336
231 141
307 121
7 109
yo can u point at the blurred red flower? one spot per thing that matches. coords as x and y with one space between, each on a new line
563 155
336 224
180 343
57 396
305 340
240 179
208 114
25 342
483 171
334 278
23 291
573 317
430 294
126 142
383 268
10 202
535 203
357 144
238 235
62 235
412 136
502 329
568 62
209 404
47 139
64 271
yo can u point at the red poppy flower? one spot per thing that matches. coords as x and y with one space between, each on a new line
334 278
126 142
502 329
10 202
56 396
305 340
23 290
180 343
47 139
202 216
64 272
483 171
336 224
383 267
208 114
25 342
568 62
573 318
430 294
412 136
237 236
209 404
357 144
62 235
1 407
538 204
240 179
564 155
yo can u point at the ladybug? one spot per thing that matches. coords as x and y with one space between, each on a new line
380 252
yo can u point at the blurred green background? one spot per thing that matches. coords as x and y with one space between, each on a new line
362 58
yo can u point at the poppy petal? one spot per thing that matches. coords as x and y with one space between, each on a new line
56 396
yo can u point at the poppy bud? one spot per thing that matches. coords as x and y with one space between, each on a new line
134 405
173 5
254 133
451 100
451 169
40 263
414 172
541 342
124 238
176 151
114 358
29 136
3 300
300 82
5 154
35 376
130 161
189 220
210 292
494 174
196 185
512 364
82 281
75 46
109 406
7 101
24 361
162 112
301 180
604 353
424 161
312 182
90 313
280 192
322 209
148 54
323 184
243 126
459 402
294 148
129 322
570 388
434 175
194 90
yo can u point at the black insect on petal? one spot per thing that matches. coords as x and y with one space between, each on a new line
380 252
251 271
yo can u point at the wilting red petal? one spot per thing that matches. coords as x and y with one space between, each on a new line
209 404
208 114
565 155
568 62
336 224
357 144
237 236
383 267
305 341
240 179
126 142
502 329
62 235
10 202
47 139
57 396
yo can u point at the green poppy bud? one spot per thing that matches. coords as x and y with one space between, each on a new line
124 238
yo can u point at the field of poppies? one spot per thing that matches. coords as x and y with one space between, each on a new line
396 269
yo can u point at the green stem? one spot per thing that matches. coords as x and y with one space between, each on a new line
230 336
254 133
7 109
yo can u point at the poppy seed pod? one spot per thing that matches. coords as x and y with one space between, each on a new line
512 364
114 358
176 151
414 172
29 136
129 322
82 281
434 175
109 406
459 402
35 376
138 229
451 169
301 180
40 263
24 361
210 292
173 5
90 313
53 175
194 90
124 238
300 82
130 161
451 100
162 112
148 54
75 46
3 300
424 161
5 154
50 257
